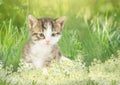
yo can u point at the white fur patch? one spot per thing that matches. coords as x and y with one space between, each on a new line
48 31
39 54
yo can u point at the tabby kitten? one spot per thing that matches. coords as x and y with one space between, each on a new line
42 47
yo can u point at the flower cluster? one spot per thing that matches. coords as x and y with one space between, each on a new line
65 73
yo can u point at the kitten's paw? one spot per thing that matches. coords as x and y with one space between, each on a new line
63 58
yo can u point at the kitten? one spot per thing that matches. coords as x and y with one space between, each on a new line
42 47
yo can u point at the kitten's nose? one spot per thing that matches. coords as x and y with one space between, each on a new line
47 41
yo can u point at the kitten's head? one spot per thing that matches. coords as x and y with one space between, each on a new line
46 31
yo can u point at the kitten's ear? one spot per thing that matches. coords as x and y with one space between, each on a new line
61 20
31 21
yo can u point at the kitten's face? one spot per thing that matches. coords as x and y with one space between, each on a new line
45 31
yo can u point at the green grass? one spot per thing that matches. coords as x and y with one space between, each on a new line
99 39
12 40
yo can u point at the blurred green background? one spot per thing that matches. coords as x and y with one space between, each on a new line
92 28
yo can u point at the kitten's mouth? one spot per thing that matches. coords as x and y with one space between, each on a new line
47 43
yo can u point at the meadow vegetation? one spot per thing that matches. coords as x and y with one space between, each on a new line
90 38
65 73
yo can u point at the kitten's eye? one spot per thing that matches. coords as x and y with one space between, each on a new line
53 34
41 35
